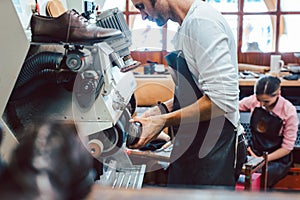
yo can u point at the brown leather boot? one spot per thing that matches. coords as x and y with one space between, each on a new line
69 27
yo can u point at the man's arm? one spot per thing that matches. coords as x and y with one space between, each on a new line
202 110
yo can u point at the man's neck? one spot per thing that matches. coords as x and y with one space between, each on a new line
179 9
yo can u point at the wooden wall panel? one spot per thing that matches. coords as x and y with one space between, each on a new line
144 56
249 58
264 58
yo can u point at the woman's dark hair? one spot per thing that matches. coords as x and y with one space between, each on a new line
267 85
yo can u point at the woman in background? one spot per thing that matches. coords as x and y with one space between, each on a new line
274 126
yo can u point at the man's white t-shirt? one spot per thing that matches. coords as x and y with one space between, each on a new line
210 51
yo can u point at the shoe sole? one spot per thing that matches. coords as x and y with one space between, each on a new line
46 39
130 67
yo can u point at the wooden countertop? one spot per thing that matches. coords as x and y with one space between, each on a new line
150 193
167 79
284 83
242 82
152 88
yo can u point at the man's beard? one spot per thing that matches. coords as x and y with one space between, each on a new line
160 22
153 2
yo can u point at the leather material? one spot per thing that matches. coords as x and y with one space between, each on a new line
69 27
278 169
265 129
203 152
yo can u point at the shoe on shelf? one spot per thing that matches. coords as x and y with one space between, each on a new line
69 27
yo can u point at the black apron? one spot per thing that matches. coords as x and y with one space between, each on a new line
203 153
265 130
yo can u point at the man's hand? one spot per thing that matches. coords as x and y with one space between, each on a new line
151 128
153 111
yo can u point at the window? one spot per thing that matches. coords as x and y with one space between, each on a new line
259 26
266 25
146 35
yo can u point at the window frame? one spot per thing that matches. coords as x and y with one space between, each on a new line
258 58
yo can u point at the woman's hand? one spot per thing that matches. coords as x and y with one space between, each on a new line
151 128
251 152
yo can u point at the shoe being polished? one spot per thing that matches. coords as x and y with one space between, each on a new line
69 27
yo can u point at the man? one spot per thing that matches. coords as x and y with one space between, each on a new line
204 110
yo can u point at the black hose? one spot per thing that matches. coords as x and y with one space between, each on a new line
40 79
36 71
36 63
